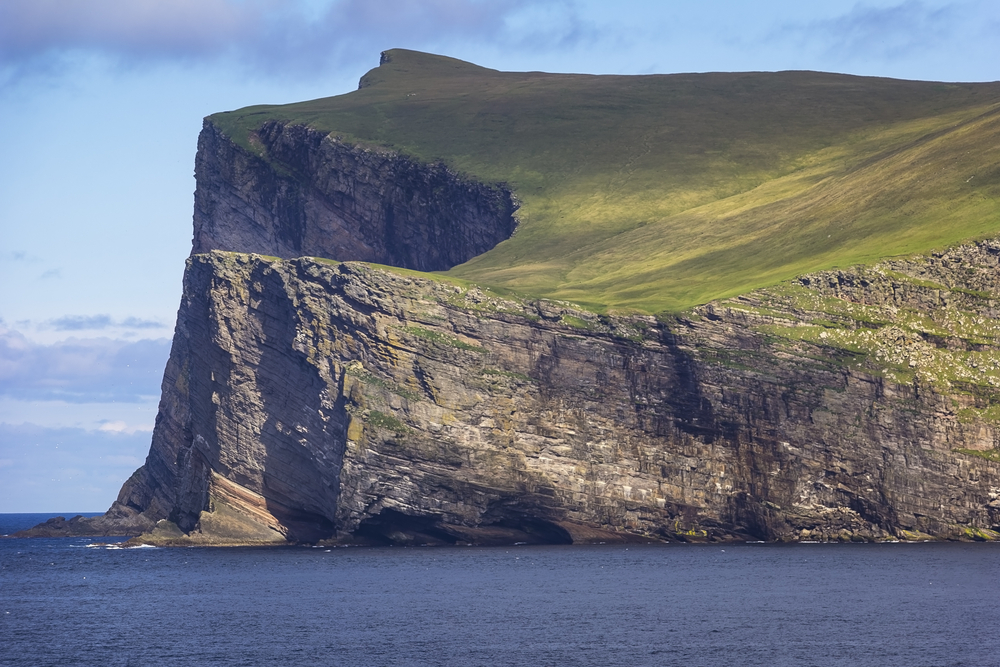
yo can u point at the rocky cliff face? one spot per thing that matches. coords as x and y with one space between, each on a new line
305 193
313 400
310 400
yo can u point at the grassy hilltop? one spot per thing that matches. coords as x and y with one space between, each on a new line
660 192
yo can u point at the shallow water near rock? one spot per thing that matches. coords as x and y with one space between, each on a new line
64 602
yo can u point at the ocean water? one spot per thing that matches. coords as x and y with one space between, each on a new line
64 602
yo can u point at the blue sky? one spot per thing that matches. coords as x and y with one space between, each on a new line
101 102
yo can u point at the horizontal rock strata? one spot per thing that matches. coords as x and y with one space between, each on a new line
307 193
307 400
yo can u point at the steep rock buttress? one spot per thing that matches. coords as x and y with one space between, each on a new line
344 402
309 194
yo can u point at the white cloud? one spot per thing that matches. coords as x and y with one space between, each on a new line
136 27
138 415
81 322
912 30
100 322
887 32
119 426
291 38
87 466
81 369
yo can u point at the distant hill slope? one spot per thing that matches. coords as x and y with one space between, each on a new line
661 192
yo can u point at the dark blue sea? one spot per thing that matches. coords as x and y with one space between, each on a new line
63 602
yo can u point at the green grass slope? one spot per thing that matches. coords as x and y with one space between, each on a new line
664 191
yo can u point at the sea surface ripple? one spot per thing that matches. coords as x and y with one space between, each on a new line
63 602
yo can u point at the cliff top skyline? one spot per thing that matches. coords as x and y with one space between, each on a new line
662 192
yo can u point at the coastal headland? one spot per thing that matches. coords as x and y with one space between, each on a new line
461 306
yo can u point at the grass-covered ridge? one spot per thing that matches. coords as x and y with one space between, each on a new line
663 191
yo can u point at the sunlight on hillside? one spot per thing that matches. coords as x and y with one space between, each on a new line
661 192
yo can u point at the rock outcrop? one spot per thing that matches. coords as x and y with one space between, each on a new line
305 193
344 402
312 400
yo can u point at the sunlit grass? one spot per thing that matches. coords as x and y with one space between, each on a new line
660 192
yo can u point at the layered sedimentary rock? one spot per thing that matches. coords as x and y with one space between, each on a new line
308 193
309 400
341 401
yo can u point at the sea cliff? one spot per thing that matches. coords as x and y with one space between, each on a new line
314 400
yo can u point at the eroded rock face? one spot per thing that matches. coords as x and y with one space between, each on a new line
310 400
342 402
316 196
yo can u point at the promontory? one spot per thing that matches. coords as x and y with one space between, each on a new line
463 306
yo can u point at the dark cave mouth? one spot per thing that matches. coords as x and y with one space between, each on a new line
393 528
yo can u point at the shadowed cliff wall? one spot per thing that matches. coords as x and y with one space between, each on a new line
316 196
